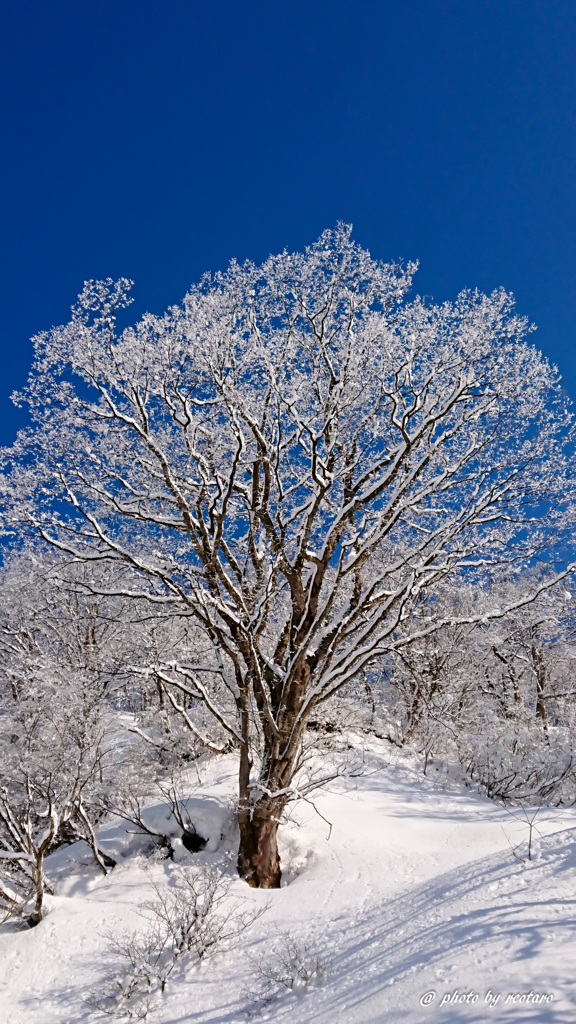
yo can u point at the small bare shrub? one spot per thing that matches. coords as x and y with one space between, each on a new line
189 922
290 965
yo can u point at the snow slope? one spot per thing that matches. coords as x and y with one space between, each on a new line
414 890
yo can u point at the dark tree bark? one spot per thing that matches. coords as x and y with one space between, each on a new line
258 857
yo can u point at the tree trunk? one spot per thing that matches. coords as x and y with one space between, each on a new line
539 665
38 878
258 857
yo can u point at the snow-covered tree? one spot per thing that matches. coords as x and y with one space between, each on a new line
288 461
57 665
498 695
522 705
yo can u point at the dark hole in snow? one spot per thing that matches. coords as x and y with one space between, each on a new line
193 842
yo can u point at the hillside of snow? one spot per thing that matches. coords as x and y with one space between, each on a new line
415 892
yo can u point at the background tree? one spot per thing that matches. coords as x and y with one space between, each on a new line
290 460
57 665
497 696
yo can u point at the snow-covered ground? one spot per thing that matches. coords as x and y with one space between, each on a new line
415 898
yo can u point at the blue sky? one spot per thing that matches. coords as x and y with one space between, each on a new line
157 140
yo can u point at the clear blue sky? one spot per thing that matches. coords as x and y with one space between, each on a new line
157 140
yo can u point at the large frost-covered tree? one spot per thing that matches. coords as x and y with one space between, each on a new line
289 461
